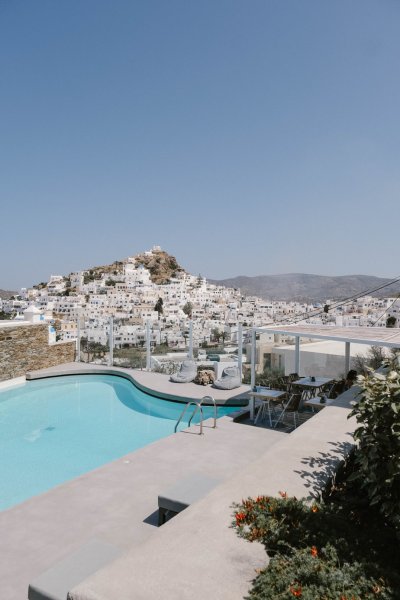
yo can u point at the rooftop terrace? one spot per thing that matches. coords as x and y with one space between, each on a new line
196 553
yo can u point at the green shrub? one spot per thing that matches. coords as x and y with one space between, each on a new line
310 574
318 549
271 377
378 441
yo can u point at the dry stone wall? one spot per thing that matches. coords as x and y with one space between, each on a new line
26 348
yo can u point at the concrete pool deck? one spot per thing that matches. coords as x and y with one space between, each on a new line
194 555
156 384
197 554
116 503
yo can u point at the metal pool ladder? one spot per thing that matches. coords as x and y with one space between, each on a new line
197 407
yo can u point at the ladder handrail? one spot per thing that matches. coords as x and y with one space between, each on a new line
198 406
215 409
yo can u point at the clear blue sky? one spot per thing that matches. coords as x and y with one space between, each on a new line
244 137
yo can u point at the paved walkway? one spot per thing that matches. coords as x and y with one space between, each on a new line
197 554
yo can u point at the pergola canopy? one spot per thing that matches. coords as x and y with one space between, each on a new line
372 336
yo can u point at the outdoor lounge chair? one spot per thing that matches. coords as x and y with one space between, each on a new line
229 379
187 372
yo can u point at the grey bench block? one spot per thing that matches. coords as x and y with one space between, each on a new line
184 492
56 582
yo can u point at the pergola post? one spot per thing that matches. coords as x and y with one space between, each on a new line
253 369
346 357
148 347
297 355
240 349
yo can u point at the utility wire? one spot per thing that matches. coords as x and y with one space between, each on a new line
308 315
356 296
385 311
352 298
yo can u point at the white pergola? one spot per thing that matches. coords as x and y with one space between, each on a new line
371 336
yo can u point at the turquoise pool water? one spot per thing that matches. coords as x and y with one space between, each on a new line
52 430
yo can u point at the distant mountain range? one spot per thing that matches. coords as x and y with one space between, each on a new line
308 288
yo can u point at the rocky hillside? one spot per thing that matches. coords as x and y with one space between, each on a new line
162 266
309 288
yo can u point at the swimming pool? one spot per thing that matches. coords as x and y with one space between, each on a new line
52 430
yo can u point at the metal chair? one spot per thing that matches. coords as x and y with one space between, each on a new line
335 389
291 406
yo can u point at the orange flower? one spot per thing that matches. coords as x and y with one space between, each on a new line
296 590
314 551
240 517
314 508
283 494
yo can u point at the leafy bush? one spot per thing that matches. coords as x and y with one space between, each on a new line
168 367
345 548
312 574
317 550
373 359
271 377
378 437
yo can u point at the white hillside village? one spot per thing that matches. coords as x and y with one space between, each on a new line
182 306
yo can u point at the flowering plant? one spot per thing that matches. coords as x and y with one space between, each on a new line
316 550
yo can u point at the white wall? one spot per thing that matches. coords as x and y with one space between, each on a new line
323 361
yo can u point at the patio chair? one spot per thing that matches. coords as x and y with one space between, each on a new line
187 372
290 407
229 379
335 389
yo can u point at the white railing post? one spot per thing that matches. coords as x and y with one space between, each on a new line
78 340
240 350
111 342
148 347
190 353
